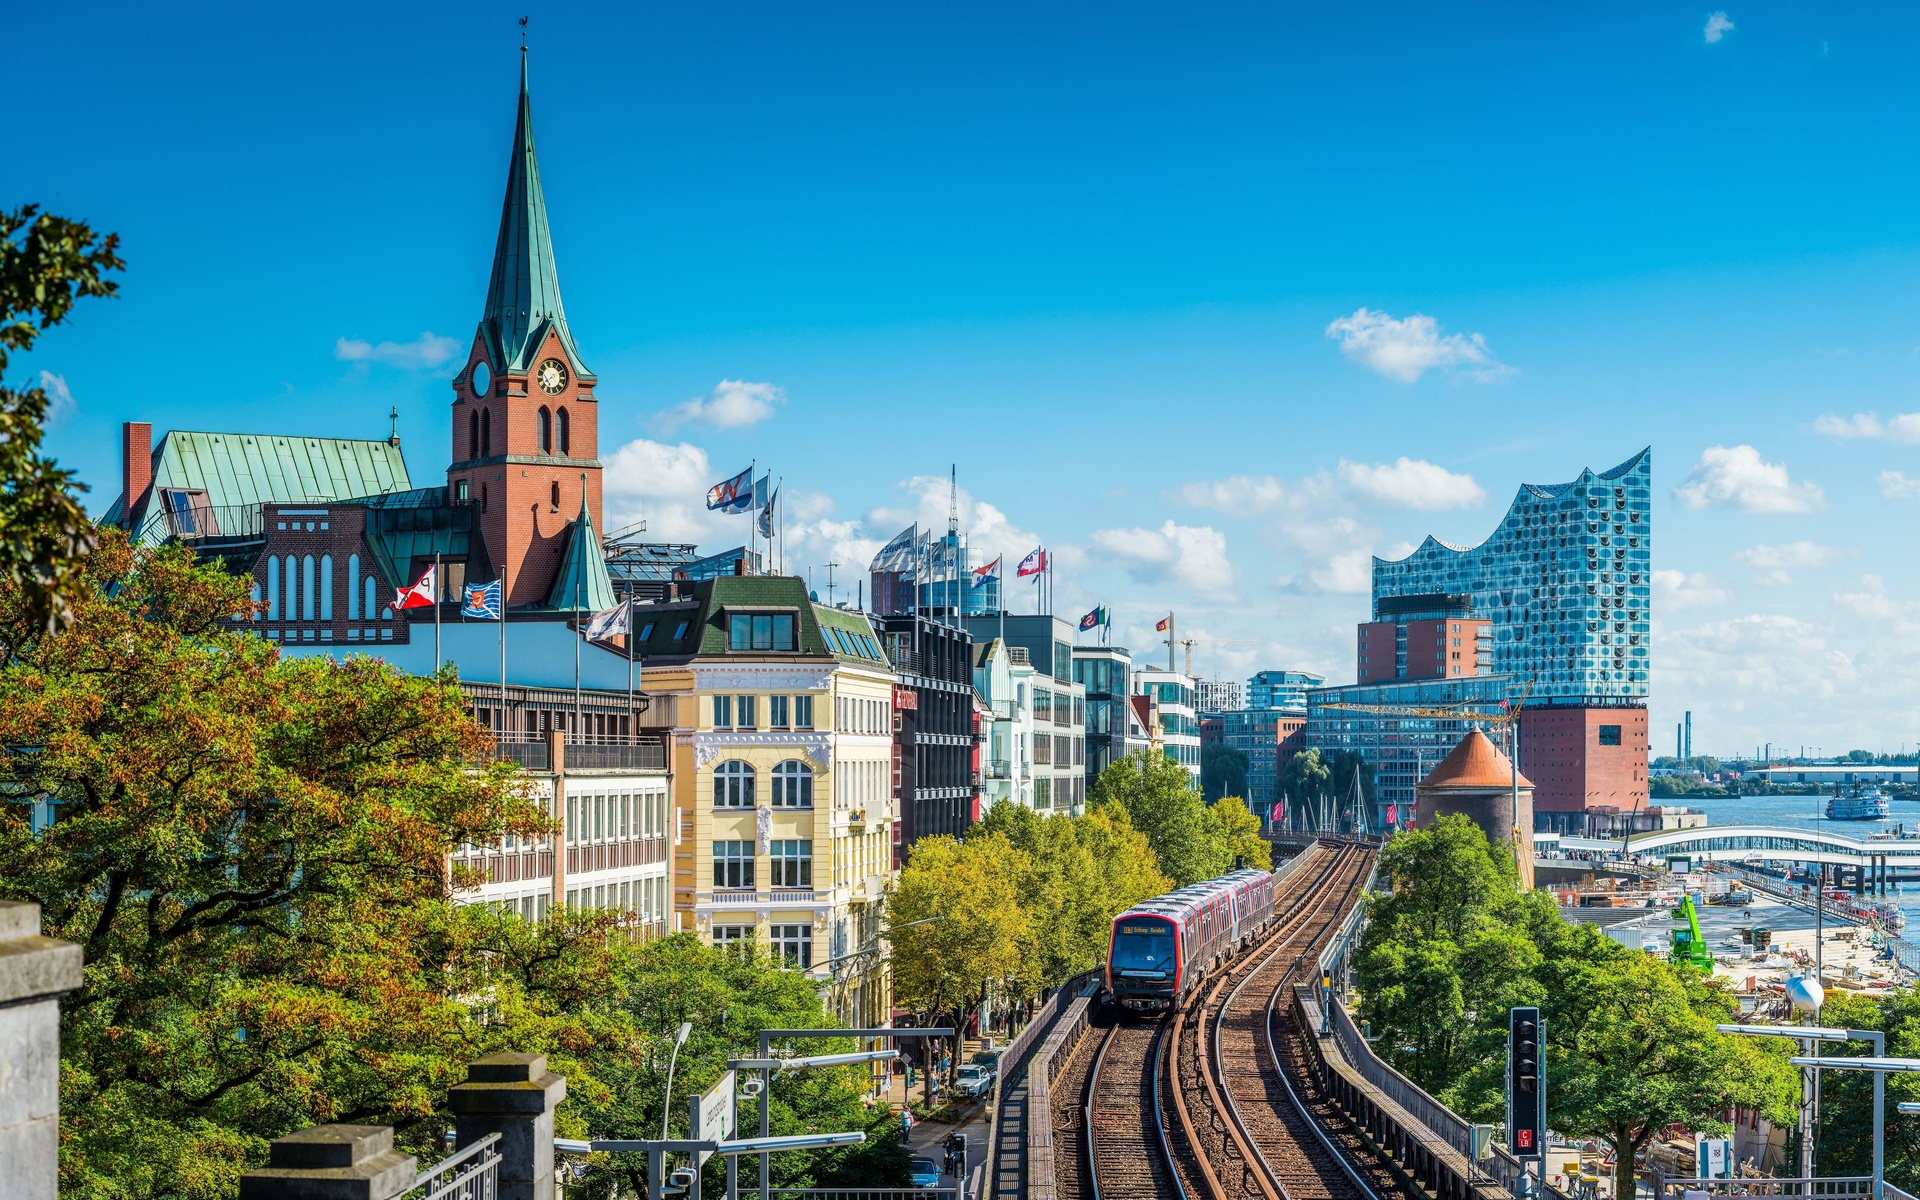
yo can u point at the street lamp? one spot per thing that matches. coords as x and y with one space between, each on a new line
679 1040
1879 1065
1821 1033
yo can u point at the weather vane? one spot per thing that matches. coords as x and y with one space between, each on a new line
523 35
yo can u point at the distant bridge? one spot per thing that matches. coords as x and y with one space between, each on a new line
1766 843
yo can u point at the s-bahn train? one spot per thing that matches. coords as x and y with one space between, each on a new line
1161 948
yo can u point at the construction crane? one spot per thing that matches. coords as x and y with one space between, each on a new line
1497 714
1190 642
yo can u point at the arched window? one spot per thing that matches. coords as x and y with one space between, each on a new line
326 587
255 597
306 588
733 785
793 785
566 432
373 599
293 588
353 587
473 434
555 493
273 587
486 433
483 497
546 430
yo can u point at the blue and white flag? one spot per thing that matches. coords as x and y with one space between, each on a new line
483 601
764 500
897 555
732 495
608 622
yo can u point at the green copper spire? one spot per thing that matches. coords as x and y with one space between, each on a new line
523 297
582 583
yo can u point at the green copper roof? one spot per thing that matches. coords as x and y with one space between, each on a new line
249 469
523 297
697 628
404 528
582 584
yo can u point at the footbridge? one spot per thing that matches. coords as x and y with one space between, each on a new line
1874 860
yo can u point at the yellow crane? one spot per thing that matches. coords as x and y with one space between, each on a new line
1496 714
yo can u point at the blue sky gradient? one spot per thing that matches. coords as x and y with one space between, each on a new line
1091 254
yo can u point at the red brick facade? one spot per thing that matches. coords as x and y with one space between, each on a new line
527 488
1580 758
1436 649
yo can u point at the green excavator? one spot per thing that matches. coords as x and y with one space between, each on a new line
1688 945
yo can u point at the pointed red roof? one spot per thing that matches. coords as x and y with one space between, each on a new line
1475 763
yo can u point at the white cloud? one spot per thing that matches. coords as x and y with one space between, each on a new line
1775 561
1412 483
1235 494
1718 26
1738 476
1903 428
1677 591
59 398
732 404
990 533
425 352
666 486
1194 556
1895 485
1349 573
1407 348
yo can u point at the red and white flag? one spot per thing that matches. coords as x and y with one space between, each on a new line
1033 563
420 595
1165 624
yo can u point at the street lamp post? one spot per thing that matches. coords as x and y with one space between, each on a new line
1811 1034
679 1040
1879 1065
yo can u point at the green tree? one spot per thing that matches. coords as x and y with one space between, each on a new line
251 852
957 924
1845 1135
1160 801
46 263
1631 1049
1237 831
1223 772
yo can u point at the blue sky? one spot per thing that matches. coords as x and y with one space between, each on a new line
1178 288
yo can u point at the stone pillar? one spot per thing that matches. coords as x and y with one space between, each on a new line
513 1095
332 1162
35 972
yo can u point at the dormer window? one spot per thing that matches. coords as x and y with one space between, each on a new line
762 631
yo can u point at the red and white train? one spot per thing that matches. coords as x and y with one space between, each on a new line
1163 947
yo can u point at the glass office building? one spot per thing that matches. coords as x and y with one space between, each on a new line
1402 749
1281 689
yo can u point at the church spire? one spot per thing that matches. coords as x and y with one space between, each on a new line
523 297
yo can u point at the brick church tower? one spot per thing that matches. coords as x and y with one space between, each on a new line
525 422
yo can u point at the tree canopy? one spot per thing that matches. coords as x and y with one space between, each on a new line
1223 772
1631 1047
46 263
1190 841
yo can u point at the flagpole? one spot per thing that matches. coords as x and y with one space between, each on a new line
632 718
782 517
503 651
436 612
579 572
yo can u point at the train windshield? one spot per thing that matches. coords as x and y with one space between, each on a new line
1143 944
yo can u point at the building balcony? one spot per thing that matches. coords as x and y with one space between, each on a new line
792 896
1000 768
743 896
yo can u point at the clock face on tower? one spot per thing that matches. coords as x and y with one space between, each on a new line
552 376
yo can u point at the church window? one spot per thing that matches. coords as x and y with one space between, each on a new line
273 587
486 433
293 588
473 435
483 497
326 587
556 495
566 432
306 588
353 587
546 430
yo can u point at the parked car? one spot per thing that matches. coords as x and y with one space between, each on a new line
974 1082
986 1058
926 1173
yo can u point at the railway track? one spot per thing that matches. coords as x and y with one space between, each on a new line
1199 1104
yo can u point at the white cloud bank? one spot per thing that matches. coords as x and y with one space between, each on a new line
1738 477
732 404
1405 348
1903 428
1717 27
425 352
1412 483
1678 591
1897 485
1193 556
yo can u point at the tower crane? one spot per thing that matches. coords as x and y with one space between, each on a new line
1497 714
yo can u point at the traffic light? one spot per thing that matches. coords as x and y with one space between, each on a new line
1526 1083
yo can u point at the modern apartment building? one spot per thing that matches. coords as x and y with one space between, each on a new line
1262 734
1565 582
1003 679
1174 700
780 714
935 752
1059 705
1281 689
1423 637
1216 695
